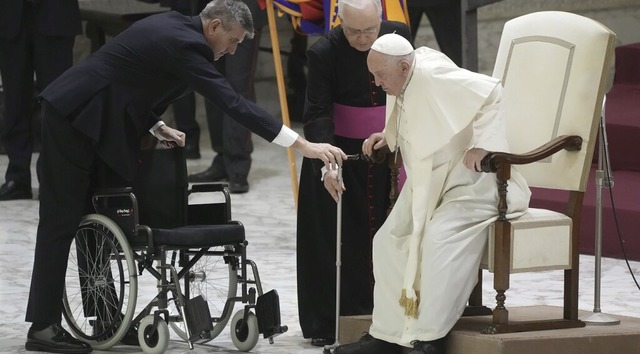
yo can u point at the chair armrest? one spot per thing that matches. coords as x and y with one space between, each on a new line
495 160
500 163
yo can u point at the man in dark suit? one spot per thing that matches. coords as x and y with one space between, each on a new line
96 112
35 36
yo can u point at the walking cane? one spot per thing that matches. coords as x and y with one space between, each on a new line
329 347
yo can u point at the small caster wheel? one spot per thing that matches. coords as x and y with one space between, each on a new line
244 334
153 342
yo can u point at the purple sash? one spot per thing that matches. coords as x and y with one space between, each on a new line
358 122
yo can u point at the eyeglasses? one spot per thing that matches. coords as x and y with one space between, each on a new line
356 32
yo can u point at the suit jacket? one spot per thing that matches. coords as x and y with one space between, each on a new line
52 17
117 93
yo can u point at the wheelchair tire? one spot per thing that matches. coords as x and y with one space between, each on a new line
157 342
217 282
244 334
101 284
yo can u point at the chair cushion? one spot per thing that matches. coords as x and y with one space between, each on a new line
540 240
200 235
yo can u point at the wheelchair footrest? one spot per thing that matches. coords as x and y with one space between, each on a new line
268 314
198 318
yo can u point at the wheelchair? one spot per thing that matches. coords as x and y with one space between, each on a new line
194 251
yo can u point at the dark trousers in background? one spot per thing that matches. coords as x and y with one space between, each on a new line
230 140
445 19
20 57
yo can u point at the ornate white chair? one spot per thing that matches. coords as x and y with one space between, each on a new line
554 67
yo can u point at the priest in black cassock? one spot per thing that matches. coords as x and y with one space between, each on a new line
343 107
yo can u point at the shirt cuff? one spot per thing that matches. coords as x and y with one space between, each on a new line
155 127
286 137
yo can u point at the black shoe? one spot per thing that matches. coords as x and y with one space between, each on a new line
211 174
191 152
55 339
321 342
11 191
238 184
428 347
369 345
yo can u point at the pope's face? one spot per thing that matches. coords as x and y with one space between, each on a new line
387 72
360 26
223 41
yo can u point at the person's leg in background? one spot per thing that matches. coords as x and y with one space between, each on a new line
445 18
184 109
230 140
184 114
296 77
16 67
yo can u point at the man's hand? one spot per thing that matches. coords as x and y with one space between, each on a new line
170 137
473 158
329 154
332 184
374 142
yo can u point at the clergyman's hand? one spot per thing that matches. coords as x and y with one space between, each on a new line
332 184
331 156
169 137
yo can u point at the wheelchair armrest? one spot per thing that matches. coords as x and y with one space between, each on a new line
208 187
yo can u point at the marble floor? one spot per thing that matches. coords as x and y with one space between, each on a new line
268 213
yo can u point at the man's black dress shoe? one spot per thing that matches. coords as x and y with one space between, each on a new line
55 339
211 174
428 347
321 342
12 191
368 345
238 184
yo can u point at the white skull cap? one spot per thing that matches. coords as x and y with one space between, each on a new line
392 44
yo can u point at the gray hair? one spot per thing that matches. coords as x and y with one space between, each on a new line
396 59
360 5
230 13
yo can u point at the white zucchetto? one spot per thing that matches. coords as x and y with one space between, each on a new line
392 44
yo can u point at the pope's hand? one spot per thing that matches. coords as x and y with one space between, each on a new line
170 137
375 142
473 158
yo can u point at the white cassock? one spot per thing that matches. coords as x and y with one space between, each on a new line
427 253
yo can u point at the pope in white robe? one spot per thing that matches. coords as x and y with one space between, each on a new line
426 255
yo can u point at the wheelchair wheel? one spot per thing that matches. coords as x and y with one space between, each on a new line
153 342
244 334
101 283
216 281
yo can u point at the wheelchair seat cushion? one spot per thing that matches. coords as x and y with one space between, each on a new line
200 235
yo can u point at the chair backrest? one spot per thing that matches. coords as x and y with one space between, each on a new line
554 66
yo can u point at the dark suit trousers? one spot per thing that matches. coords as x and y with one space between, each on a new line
68 159
20 57
229 139
446 20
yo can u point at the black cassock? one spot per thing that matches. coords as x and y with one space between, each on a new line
338 76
